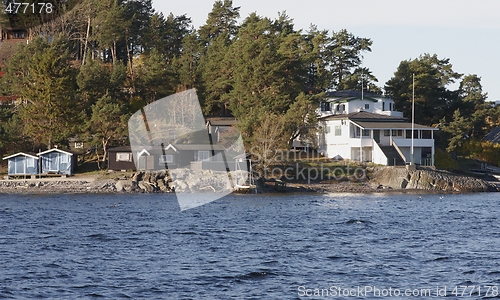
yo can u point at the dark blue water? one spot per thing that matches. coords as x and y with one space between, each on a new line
246 247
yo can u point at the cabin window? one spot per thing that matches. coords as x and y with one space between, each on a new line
169 158
30 162
383 106
338 130
387 132
327 129
366 132
390 106
64 158
123 156
367 106
203 155
343 107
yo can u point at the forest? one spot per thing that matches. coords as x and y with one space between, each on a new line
84 72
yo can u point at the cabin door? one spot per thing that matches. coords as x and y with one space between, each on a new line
142 162
376 136
146 162
53 162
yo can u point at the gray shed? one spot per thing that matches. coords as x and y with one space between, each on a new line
58 161
22 164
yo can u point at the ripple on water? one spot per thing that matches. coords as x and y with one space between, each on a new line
260 246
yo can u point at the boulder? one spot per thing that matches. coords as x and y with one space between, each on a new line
125 185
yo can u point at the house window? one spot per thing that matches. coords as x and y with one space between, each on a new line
390 106
426 134
366 132
169 158
123 156
343 107
397 132
327 129
203 155
338 130
325 106
383 106
387 132
367 106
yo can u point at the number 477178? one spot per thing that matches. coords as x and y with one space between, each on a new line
22 8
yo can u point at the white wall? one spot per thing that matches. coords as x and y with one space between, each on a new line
337 145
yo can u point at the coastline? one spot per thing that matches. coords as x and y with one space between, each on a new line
96 184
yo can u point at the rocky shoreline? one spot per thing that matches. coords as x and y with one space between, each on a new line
382 180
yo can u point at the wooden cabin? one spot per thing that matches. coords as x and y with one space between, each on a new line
189 156
22 164
57 161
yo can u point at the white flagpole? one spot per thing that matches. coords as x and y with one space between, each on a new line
413 120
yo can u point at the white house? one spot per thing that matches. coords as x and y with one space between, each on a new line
364 127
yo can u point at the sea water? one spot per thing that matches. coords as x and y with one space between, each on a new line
289 246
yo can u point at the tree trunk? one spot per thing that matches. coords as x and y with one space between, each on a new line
128 55
105 142
98 159
113 52
86 42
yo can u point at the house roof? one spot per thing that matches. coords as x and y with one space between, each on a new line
366 116
391 125
56 150
30 154
222 121
175 147
199 147
349 95
493 135
120 149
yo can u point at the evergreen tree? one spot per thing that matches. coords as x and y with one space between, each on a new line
46 82
222 20
433 100
360 79
107 123
458 130
473 105
344 54
186 65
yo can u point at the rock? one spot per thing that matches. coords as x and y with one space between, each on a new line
162 186
146 186
180 186
401 178
124 185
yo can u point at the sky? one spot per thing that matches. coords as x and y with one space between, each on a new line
467 32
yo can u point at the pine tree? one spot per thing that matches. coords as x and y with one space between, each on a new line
46 82
107 123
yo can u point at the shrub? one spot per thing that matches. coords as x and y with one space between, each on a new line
444 161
